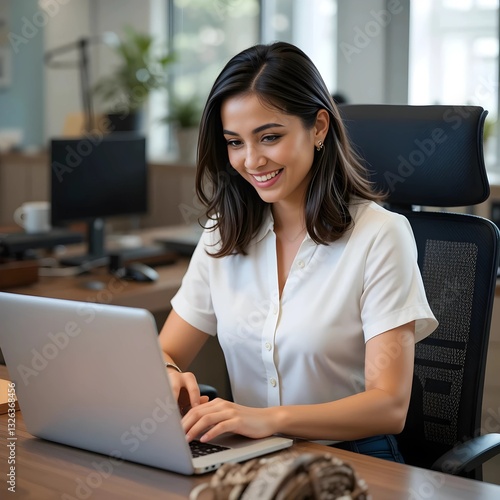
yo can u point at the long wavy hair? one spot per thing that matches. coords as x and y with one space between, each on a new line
284 77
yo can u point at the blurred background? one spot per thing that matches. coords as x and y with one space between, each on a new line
85 68
370 51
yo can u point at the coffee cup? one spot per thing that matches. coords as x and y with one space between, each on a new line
33 216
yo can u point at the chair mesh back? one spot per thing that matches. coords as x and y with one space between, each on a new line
458 257
449 273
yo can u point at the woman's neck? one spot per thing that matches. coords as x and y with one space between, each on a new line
289 219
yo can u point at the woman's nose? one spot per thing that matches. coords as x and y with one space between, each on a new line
254 159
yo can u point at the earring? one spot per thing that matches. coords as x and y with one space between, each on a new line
320 145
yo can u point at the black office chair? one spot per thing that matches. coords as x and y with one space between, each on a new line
432 156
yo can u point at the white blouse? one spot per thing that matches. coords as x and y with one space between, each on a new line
308 347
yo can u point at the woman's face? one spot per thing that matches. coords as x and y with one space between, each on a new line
273 151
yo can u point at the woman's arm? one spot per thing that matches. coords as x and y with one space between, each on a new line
180 343
380 409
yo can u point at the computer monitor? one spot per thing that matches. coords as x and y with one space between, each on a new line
95 177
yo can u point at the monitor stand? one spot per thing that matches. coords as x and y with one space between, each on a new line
98 256
96 252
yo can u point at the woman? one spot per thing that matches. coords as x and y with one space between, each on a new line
312 288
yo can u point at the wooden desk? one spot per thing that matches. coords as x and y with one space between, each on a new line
154 296
46 470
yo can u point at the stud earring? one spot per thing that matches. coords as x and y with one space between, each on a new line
320 145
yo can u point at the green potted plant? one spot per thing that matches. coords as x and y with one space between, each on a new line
141 68
185 114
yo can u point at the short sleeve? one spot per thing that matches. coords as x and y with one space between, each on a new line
393 292
193 301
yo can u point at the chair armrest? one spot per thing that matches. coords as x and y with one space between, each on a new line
208 390
469 455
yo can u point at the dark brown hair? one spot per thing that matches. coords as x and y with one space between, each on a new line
281 76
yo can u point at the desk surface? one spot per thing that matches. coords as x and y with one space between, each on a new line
154 296
45 470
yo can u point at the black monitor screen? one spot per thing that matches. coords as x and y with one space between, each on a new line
100 176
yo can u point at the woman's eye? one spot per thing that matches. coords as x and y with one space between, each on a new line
270 138
233 143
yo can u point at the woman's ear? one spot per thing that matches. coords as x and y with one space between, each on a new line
322 124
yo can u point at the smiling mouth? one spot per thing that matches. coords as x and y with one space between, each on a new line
267 177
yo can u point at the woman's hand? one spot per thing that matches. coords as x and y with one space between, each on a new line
185 389
219 416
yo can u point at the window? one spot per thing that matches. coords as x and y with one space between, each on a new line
454 57
311 25
205 35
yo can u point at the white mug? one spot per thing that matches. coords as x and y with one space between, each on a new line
33 216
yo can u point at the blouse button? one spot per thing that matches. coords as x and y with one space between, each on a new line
301 264
275 309
268 346
273 382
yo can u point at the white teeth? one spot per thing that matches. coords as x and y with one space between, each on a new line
263 178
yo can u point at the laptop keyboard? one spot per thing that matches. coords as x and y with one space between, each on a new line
199 449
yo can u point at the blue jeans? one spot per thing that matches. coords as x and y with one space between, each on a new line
383 446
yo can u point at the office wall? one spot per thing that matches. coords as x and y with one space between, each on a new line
22 103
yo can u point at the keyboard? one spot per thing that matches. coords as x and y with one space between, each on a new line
199 449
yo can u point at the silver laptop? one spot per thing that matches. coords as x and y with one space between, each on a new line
92 376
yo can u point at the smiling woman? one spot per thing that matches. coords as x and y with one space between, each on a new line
306 281
247 99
